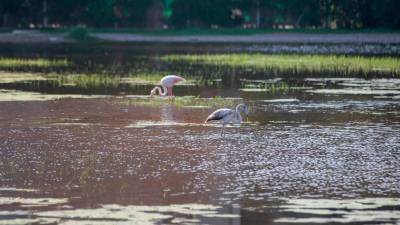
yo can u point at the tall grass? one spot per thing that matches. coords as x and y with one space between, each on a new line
294 64
96 80
17 63
87 81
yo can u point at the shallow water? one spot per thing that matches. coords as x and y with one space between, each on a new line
304 156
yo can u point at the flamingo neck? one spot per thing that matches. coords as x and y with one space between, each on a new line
238 116
238 107
161 92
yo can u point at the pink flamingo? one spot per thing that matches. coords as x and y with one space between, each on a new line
167 83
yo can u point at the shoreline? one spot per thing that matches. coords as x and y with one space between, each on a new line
35 36
273 38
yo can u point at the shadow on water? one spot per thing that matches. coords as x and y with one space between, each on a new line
314 150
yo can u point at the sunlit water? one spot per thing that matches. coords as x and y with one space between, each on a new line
302 157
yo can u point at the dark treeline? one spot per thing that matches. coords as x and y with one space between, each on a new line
342 14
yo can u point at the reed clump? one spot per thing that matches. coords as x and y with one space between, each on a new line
339 65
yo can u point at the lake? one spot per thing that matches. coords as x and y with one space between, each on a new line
81 143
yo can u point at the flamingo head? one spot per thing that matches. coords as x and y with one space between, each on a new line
178 79
152 92
246 110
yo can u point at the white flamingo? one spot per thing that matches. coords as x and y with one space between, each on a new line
167 83
226 116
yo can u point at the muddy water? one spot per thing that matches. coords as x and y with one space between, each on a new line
328 153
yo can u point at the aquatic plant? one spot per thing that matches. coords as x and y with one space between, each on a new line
107 80
10 77
293 64
186 101
86 80
265 86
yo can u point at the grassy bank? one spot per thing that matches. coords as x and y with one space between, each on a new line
294 64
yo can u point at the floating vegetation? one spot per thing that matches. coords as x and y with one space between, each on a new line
354 91
20 63
9 77
269 85
149 123
13 189
254 89
187 101
15 95
294 64
32 202
283 100
309 211
136 214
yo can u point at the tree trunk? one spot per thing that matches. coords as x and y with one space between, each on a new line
258 15
298 21
5 19
45 19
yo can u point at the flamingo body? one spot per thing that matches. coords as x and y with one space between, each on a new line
225 115
167 83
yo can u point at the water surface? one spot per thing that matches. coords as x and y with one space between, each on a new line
313 151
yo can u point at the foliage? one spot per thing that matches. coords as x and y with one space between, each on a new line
282 14
79 33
